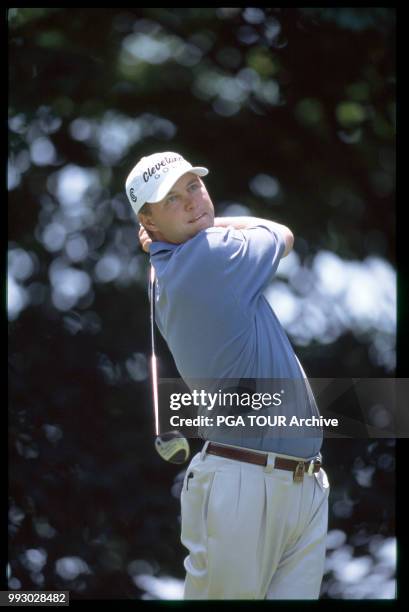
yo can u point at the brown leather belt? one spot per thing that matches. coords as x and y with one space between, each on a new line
297 467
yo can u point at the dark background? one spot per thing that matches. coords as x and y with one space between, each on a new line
304 100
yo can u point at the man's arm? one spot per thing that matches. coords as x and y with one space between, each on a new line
237 223
246 222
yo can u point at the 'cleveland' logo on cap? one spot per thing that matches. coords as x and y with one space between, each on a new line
157 167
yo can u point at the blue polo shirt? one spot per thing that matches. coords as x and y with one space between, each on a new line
211 311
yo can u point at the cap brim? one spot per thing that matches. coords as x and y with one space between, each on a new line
170 180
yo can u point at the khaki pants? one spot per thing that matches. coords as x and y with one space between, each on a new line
252 533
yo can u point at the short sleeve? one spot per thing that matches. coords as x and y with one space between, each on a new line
248 258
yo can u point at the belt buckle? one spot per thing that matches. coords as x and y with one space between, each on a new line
298 475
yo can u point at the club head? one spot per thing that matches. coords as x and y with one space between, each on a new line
172 446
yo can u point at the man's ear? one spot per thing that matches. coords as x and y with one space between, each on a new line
147 222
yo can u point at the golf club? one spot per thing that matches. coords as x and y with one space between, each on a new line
172 446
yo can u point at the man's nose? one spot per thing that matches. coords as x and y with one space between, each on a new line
189 201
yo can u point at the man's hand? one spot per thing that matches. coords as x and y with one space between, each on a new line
144 239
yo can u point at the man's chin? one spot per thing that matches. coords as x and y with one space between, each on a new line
200 225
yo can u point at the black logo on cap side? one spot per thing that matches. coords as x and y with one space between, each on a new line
132 194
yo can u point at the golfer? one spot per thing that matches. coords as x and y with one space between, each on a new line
254 507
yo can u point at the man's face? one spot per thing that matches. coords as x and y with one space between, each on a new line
186 210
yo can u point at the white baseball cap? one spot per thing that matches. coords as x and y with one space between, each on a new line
154 176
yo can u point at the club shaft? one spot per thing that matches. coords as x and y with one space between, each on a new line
154 372
154 365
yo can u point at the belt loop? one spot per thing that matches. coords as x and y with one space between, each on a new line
203 451
270 463
311 467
